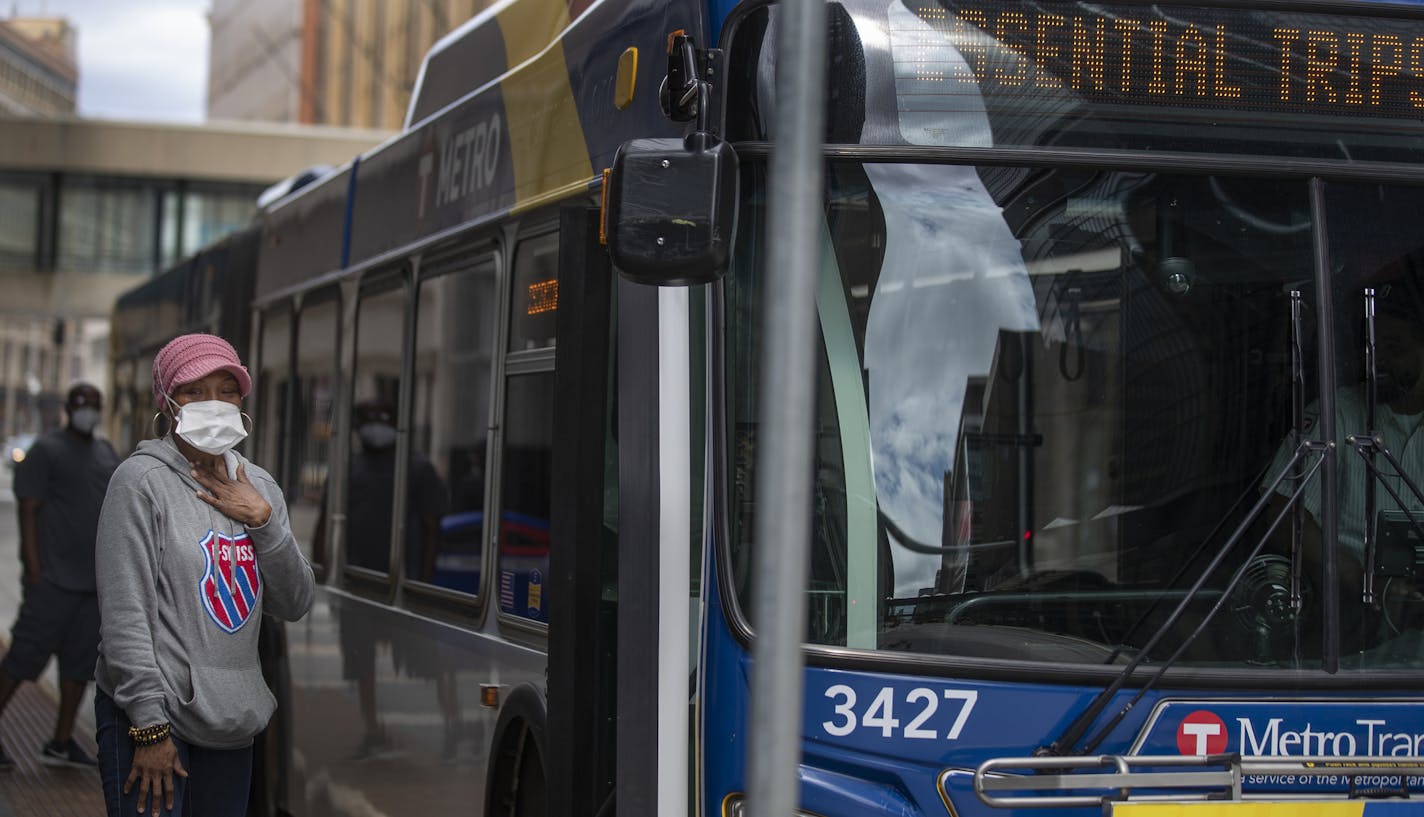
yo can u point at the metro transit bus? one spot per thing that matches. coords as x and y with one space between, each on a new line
1116 504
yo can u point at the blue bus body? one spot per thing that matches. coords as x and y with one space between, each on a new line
1034 540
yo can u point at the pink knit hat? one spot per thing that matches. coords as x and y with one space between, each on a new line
193 357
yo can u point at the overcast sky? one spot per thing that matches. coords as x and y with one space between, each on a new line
138 59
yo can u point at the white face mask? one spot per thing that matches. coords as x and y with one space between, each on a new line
211 426
84 419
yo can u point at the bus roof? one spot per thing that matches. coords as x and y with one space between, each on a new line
512 110
210 291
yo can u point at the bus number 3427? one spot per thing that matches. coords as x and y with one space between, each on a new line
921 707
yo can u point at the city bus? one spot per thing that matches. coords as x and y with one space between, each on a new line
1115 500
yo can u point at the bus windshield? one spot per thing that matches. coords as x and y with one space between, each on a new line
1048 397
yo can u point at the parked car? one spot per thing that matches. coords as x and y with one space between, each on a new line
16 447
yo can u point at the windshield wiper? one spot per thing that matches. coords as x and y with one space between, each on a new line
1066 743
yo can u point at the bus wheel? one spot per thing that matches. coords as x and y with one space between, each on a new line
516 774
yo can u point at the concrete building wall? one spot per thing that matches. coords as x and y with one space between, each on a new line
249 152
254 64
357 60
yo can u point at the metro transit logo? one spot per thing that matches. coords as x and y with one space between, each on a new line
1315 731
1201 733
1319 733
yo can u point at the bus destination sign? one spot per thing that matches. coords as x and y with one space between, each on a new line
1209 58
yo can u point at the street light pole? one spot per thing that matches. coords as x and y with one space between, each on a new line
787 388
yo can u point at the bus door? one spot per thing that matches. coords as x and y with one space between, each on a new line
583 561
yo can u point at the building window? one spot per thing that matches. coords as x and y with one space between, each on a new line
19 223
106 227
195 218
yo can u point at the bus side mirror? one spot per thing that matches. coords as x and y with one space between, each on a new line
671 209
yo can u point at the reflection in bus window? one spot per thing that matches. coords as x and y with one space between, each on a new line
453 356
128 413
525 495
370 485
274 381
918 343
310 432
145 426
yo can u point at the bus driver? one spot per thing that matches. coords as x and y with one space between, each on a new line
1399 414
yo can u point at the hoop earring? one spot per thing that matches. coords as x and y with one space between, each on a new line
153 425
250 424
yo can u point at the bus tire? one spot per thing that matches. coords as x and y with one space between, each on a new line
515 785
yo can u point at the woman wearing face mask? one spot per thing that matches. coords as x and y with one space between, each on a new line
194 546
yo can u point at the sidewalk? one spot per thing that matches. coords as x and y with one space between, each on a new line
33 789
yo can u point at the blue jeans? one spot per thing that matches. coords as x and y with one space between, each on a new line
216 786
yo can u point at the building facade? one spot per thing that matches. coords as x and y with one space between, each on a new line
351 63
254 60
89 209
38 67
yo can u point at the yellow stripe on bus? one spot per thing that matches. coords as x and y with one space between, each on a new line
545 134
1242 809
530 26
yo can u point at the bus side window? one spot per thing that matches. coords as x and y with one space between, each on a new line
313 396
525 494
274 380
376 384
454 356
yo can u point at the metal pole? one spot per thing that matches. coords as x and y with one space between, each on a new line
1330 596
787 388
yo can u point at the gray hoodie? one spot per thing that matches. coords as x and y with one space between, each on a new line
182 589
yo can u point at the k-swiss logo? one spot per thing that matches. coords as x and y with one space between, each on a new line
231 583
1201 733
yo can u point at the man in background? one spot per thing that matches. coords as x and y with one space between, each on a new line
60 488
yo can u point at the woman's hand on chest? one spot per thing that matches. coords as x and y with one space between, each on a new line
235 498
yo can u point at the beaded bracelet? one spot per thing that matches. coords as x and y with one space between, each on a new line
149 735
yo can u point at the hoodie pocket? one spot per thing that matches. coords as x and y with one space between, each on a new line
227 707
181 681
